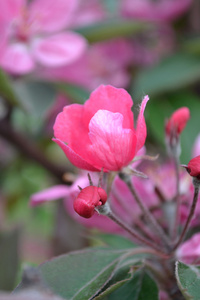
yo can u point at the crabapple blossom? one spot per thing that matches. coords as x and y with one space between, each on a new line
32 33
102 63
100 133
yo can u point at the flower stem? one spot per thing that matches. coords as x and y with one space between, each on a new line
158 229
177 199
191 213
106 210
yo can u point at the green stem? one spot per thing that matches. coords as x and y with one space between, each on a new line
158 229
191 213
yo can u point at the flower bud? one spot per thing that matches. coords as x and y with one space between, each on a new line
173 128
88 199
193 167
178 121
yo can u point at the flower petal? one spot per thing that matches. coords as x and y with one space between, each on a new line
112 99
51 15
196 147
141 130
16 59
59 50
10 9
112 145
70 129
74 158
54 193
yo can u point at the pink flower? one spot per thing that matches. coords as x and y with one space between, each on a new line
31 33
103 63
88 199
100 133
177 121
150 10
189 252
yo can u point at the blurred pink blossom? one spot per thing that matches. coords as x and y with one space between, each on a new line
151 10
189 251
152 45
103 63
100 133
32 32
196 147
89 12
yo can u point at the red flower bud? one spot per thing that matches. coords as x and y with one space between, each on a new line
193 167
178 121
89 198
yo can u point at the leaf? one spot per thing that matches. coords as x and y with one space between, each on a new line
6 90
188 279
112 28
76 93
140 287
121 276
174 72
192 45
81 274
115 241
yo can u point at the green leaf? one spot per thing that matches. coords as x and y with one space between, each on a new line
192 45
115 241
76 93
188 279
6 90
81 274
112 28
121 276
172 73
140 287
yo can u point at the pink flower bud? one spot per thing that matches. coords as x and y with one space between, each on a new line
178 121
193 167
88 199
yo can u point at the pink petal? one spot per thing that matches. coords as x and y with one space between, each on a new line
196 147
52 15
10 9
189 251
74 158
16 59
141 130
112 99
70 129
54 193
112 145
59 50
